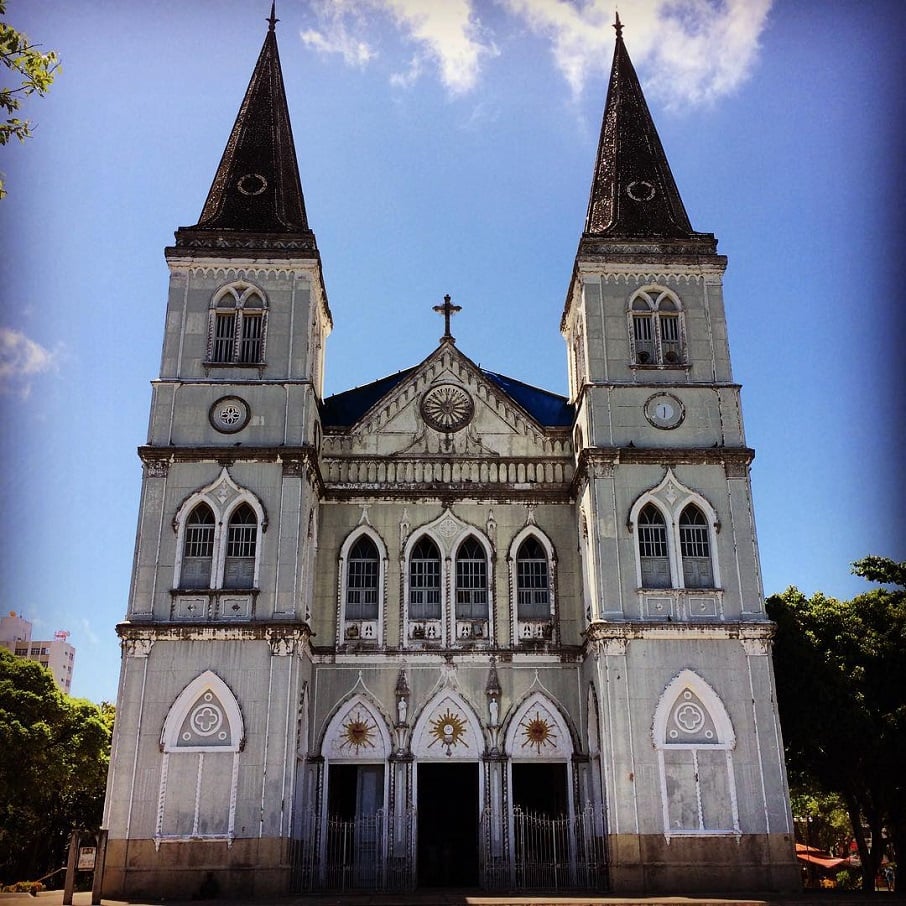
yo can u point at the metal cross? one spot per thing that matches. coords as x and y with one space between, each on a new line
273 20
447 309
618 26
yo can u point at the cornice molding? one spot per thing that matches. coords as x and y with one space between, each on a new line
137 639
599 462
753 635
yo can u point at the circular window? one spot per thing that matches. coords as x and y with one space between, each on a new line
251 184
447 408
640 190
229 414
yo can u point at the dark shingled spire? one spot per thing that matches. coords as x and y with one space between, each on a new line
256 201
633 194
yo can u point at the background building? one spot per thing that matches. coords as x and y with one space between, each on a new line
56 654
446 628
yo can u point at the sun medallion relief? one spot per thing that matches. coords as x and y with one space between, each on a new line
449 730
537 733
358 733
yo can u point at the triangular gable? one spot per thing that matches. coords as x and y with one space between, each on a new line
446 404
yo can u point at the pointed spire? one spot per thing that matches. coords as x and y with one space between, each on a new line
257 191
633 194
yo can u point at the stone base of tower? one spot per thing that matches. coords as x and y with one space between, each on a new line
649 864
204 869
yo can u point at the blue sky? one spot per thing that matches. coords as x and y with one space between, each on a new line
448 148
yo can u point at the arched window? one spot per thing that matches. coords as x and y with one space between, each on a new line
237 327
695 549
198 548
653 550
656 329
242 536
362 572
532 591
471 581
424 581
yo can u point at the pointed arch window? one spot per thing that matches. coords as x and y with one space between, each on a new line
238 321
654 554
532 584
362 575
695 549
242 536
198 548
424 581
656 329
471 581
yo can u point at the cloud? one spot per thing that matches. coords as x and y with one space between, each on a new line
447 35
693 51
22 359
336 37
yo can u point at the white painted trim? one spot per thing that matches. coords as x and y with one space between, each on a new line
179 710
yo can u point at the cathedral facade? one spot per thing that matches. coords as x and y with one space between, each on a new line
446 629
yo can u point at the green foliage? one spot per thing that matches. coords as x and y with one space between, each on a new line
33 72
54 752
841 691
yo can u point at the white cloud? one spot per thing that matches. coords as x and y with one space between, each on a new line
693 51
22 359
446 34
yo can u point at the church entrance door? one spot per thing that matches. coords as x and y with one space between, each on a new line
448 824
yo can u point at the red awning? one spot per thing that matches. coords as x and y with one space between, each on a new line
808 855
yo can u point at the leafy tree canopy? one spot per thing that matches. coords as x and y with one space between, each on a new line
54 752
841 691
32 72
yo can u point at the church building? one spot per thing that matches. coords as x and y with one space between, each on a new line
445 629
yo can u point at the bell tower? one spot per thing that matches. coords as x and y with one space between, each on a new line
225 552
673 600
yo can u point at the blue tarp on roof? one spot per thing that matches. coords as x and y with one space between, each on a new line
344 409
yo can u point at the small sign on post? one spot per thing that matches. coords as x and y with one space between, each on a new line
86 858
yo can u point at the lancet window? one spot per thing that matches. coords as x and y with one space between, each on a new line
471 581
675 536
362 569
237 328
219 554
656 329
425 581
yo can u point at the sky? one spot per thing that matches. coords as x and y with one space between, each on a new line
447 146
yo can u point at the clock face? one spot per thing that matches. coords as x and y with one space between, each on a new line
664 410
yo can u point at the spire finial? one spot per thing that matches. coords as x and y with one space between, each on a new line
272 20
618 25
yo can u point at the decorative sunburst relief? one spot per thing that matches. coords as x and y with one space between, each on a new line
538 731
447 727
355 732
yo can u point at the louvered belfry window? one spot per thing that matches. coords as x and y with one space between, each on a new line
238 328
657 329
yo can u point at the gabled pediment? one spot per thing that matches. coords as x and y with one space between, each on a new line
446 405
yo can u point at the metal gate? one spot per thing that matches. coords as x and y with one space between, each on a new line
369 852
557 853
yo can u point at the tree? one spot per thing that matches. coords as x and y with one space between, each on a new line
841 691
54 752
32 70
